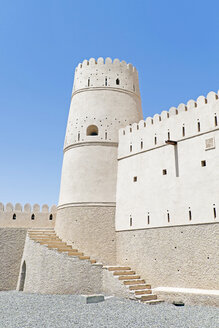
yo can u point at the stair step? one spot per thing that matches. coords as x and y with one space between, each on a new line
128 277
152 302
143 291
148 297
84 257
93 261
113 268
122 273
133 282
140 287
70 253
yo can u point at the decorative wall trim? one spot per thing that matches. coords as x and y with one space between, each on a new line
87 204
105 89
91 143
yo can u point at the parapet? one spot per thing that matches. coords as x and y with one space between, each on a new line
16 216
106 74
180 122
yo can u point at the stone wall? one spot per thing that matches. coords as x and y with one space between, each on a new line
11 250
89 229
183 256
51 272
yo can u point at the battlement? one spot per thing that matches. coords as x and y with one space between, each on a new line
27 216
185 121
106 74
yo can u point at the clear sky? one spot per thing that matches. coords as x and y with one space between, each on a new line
173 44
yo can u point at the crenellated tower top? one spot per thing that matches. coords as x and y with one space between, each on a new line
109 74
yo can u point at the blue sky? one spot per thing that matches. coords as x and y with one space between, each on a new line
173 44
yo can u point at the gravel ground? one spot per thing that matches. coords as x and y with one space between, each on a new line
19 310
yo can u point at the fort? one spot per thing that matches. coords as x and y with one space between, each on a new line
138 208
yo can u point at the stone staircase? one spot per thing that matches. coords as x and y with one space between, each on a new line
137 288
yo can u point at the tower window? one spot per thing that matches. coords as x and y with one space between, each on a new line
32 217
117 82
183 131
105 135
203 163
168 216
135 179
79 136
88 82
130 221
214 211
190 215
199 127
106 82
155 140
168 135
164 171
14 216
92 130
130 148
141 144
148 218
50 217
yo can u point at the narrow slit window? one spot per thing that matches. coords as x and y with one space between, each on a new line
130 221
79 136
123 132
203 163
135 179
164 171
190 215
168 216
32 217
106 82
148 218
215 212
215 120
155 140
183 131
199 127
14 216
141 144
117 82
130 148
88 82
50 217
105 135
168 135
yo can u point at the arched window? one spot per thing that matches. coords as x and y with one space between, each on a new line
14 216
50 217
92 130
32 217
117 82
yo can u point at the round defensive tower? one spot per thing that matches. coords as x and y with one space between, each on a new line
105 98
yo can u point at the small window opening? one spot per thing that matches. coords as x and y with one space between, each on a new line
164 171
92 130
155 140
214 211
190 215
203 163
130 221
133 87
183 131
50 217
168 135
199 127
105 135
168 216
14 216
32 217
130 148
148 218
135 179
123 132
215 120
106 81
117 82
88 82
79 136
141 144
130 129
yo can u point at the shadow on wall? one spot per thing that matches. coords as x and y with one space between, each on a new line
23 276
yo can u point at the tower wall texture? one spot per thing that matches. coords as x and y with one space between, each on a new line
105 98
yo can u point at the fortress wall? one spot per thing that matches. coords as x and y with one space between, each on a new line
11 249
180 256
90 229
27 217
51 272
181 123
188 192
